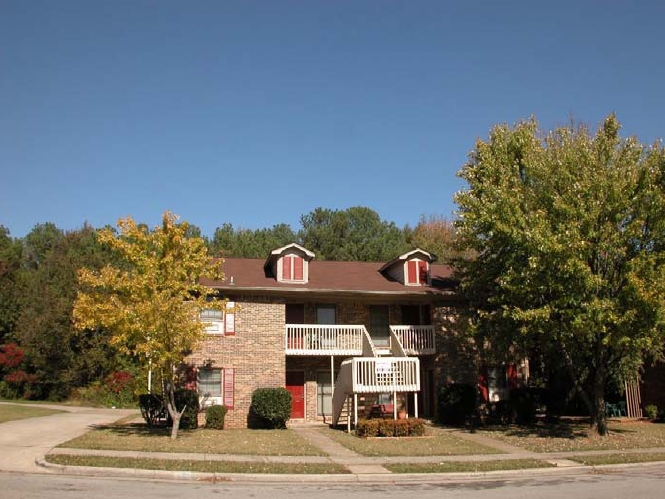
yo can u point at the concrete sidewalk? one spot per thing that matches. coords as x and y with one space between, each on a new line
22 441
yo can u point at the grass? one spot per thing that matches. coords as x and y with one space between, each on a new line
437 442
10 412
619 458
199 466
571 437
138 437
469 466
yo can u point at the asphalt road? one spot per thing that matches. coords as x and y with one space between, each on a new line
645 482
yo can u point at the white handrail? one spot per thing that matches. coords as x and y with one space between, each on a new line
324 339
415 339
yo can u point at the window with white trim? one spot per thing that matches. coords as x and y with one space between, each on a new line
209 385
214 320
416 272
293 268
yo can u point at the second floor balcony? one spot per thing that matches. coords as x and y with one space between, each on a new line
319 339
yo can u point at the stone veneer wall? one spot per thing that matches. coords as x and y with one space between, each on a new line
256 352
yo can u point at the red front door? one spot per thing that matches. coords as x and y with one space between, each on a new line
295 383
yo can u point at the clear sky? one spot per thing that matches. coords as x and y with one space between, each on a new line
256 112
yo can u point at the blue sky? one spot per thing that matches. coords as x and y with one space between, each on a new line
255 113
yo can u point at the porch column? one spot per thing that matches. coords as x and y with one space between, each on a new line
332 377
355 410
415 403
394 405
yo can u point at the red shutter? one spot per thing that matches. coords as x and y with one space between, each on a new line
286 268
422 268
482 385
512 377
229 387
297 268
412 272
230 319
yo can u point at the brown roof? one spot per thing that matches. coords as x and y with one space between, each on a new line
249 274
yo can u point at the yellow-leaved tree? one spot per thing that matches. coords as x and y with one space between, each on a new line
150 300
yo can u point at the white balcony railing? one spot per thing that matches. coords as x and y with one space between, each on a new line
385 374
415 340
317 339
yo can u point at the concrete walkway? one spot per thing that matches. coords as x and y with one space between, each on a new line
23 441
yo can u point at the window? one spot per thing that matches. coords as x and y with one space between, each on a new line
215 320
323 394
417 272
209 384
292 268
325 314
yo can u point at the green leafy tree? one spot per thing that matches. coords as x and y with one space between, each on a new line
151 299
57 356
569 230
437 235
356 234
10 264
247 243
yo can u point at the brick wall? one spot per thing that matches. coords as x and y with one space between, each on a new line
256 352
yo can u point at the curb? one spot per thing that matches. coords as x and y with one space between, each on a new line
395 478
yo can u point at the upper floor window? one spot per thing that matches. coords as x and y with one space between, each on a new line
292 268
417 272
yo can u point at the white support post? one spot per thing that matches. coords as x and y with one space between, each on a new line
332 376
394 405
348 414
415 403
355 410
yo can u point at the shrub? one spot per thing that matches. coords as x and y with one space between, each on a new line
189 399
413 427
215 417
152 408
387 427
651 411
270 408
457 403
368 428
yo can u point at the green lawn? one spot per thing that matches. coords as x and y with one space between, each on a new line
620 458
200 466
138 437
469 466
436 442
10 412
572 437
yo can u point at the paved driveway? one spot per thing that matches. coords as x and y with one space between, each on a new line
24 440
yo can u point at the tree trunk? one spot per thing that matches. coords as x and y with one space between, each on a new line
173 410
599 400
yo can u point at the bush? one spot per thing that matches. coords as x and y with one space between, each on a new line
190 400
457 403
270 408
215 417
651 411
413 427
152 408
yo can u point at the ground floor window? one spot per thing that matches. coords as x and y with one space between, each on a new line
323 394
209 385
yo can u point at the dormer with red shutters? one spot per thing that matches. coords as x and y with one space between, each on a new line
411 269
289 264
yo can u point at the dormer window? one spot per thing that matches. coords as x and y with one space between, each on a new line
411 269
292 268
417 273
289 264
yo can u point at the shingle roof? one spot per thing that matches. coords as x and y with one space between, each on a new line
245 274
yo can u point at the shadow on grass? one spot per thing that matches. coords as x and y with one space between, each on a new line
139 430
554 430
